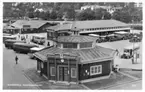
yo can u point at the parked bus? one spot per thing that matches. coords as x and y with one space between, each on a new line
6 34
129 50
23 47
38 39
9 37
9 43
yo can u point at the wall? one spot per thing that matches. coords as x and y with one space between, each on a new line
72 63
106 68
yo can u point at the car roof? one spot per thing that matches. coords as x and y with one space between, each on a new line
37 48
39 36
25 44
10 36
133 46
12 40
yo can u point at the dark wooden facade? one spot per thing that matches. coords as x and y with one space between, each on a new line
106 69
75 59
62 70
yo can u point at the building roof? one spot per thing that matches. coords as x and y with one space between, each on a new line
32 23
25 44
61 27
76 39
86 55
89 24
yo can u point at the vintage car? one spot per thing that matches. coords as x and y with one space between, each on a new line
123 35
23 47
136 38
38 39
130 50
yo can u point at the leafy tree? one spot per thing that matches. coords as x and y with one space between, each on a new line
37 13
123 16
107 15
42 15
99 13
87 14
53 15
30 15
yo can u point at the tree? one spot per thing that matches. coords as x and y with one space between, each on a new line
43 15
53 15
123 16
107 15
37 13
99 13
30 15
87 14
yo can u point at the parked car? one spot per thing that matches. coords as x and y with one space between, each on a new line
101 39
9 43
23 47
129 51
38 39
136 38
123 35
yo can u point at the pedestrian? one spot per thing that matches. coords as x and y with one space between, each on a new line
116 69
132 60
16 59
48 44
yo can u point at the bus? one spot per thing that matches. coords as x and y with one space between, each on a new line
38 39
23 47
8 37
9 43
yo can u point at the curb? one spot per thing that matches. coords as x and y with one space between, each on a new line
129 69
117 85
31 81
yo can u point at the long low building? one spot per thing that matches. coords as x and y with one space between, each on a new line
92 26
29 26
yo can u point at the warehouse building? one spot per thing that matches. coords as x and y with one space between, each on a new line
100 27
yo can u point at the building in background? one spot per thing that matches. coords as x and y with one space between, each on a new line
100 27
109 9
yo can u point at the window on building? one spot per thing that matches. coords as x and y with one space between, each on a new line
97 69
52 71
85 44
73 72
70 45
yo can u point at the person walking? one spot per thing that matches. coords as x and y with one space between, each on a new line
16 59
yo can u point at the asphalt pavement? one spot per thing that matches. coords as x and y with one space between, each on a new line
136 85
13 76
